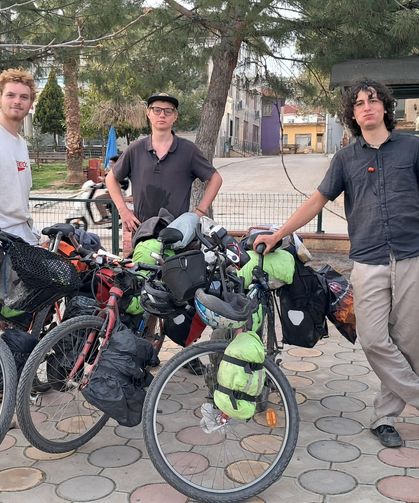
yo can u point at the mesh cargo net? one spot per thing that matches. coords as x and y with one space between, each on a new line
32 277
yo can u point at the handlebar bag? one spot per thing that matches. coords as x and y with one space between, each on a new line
32 277
183 274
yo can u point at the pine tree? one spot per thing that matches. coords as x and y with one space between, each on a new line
49 111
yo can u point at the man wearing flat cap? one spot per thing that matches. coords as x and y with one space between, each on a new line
162 168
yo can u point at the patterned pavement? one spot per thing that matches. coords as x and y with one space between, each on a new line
337 459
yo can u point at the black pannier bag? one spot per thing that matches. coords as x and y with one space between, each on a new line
304 306
117 384
20 344
183 274
32 277
80 305
184 328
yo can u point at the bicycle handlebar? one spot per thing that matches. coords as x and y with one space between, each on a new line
204 240
260 248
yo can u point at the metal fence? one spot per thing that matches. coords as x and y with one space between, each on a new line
235 211
47 211
239 211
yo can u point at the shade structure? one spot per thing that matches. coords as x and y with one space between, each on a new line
111 147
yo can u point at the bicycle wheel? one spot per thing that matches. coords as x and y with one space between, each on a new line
8 384
234 462
61 419
45 320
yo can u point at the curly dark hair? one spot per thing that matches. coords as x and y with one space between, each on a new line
383 93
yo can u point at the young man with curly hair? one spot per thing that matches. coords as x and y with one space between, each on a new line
17 94
379 175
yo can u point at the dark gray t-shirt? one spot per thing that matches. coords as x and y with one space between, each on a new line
381 189
162 183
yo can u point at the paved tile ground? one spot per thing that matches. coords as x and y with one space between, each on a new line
337 459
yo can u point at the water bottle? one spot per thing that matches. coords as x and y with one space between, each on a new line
212 419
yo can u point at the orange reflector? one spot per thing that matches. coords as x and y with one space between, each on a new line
270 415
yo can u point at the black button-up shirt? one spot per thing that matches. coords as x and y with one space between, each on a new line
162 183
381 189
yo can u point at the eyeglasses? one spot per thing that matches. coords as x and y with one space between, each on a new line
166 111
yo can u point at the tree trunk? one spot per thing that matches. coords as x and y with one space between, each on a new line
72 118
224 62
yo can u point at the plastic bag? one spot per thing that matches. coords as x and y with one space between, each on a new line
341 302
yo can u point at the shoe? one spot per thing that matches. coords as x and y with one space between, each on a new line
39 386
195 367
387 435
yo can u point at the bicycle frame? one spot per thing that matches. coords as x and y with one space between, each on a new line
110 314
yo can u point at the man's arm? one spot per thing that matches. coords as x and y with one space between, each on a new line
211 190
129 220
306 212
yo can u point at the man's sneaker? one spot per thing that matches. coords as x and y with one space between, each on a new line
387 435
195 367
39 386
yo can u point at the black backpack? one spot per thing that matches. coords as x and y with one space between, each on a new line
304 306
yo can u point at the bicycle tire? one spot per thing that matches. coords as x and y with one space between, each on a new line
71 409
162 388
8 378
153 332
39 320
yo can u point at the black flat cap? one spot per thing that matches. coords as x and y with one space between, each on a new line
162 97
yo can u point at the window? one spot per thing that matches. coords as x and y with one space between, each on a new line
236 129
285 139
303 140
245 130
267 109
255 134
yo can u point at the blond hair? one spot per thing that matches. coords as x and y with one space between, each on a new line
19 76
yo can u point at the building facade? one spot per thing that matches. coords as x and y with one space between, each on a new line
305 131
240 130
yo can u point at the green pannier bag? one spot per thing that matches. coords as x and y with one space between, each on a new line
279 265
135 306
241 376
143 250
142 253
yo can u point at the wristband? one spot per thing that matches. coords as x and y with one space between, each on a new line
201 211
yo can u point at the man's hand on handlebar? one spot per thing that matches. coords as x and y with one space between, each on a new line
269 240
129 220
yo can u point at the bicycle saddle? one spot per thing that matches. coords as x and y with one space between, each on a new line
170 235
65 229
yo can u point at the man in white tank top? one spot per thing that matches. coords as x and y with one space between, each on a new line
17 93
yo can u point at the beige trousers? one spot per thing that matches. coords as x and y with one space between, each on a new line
387 319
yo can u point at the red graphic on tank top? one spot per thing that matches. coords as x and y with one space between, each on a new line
21 165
